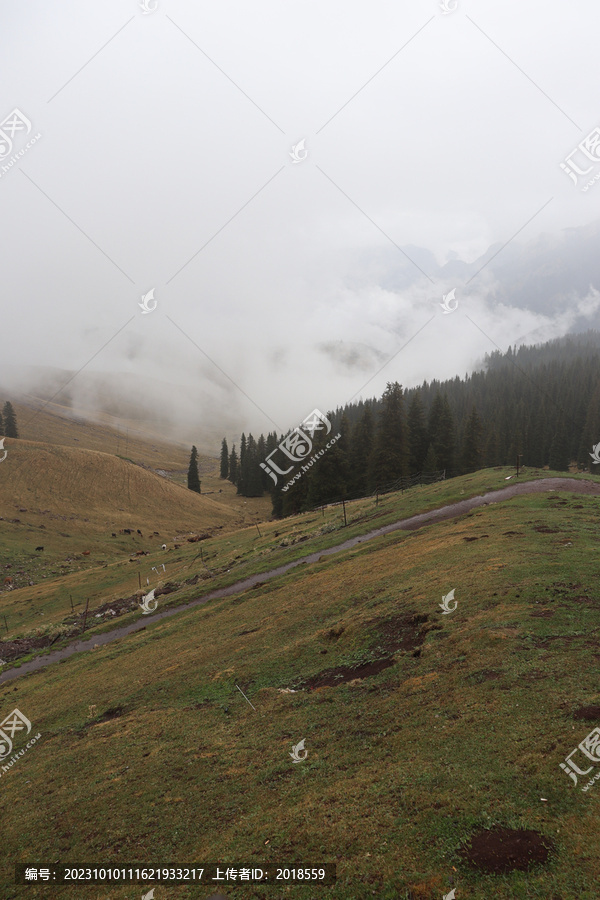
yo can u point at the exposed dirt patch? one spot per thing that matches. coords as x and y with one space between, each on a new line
512 533
169 588
542 614
406 632
343 674
113 713
543 529
10 650
506 849
587 713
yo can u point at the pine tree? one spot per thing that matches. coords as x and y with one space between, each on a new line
442 432
361 446
233 466
10 421
389 460
471 449
224 460
430 463
193 477
242 470
417 430
559 448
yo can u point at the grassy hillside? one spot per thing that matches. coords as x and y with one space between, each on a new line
149 753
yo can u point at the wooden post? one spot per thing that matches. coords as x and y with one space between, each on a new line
140 580
377 498
258 529
5 624
323 511
72 607
344 505
85 615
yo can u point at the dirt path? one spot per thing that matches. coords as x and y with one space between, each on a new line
413 522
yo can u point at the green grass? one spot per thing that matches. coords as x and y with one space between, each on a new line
401 767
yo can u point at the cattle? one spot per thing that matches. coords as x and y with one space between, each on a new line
164 546
113 534
37 549
8 581
139 532
86 552
127 531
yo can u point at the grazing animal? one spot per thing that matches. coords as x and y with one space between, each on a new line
113 534
8 580
37 549
127 531
164 546
86 552
139 532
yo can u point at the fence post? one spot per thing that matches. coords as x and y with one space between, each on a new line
344 505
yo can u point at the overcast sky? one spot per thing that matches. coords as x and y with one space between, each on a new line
164 163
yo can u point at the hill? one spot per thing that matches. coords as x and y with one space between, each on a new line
422 731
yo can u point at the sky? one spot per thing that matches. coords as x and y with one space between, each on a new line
165 162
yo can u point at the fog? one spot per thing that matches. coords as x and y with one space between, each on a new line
165 163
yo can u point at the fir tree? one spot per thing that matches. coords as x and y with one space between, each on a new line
430 463
242 470
224 460
471 449
559 449
361 447
417 429
10 421
193 478
233 466
389 460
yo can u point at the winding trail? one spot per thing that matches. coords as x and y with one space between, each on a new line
413 522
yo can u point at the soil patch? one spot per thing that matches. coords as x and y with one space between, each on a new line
10 650
406 632
343 674
587 713
506 849
543 529
542 614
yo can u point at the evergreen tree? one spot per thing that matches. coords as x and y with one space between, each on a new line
471 449
441 431
224 460
242 469
559 448
430 463
1 426
328 473
193 477
361 446
417 429
10 421
233 466
389 459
